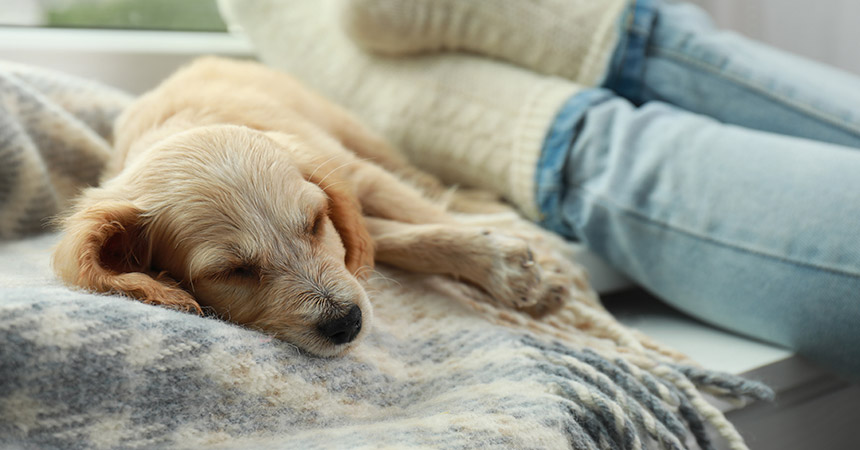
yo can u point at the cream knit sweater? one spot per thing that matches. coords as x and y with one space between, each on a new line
569 38
470 120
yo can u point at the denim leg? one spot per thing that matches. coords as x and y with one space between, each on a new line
755 232
689 63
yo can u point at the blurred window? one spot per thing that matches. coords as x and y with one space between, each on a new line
173 15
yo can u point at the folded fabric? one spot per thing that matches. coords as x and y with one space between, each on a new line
573 39
54 140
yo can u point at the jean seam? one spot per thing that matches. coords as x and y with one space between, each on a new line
828 118
645 218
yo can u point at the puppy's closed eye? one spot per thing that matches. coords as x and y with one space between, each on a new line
318 224
244 271
236 272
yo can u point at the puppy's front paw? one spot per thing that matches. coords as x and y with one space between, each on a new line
513 277
553 290
561 279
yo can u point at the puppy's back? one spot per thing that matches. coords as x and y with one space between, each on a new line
213 90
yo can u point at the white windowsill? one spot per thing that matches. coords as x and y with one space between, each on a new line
131 60
127 41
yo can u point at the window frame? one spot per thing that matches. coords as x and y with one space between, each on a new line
133 60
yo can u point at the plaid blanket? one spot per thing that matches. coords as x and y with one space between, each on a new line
54 133
441 368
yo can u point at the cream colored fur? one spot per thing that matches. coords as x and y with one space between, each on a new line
236 189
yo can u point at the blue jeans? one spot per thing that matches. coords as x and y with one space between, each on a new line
721 175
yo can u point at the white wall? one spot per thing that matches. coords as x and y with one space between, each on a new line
824 30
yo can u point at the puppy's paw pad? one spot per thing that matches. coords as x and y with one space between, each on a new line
550 298
515 275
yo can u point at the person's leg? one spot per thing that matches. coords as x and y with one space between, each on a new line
573 39
672 52
642 49
755 232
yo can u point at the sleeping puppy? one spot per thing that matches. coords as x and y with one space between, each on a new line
235 188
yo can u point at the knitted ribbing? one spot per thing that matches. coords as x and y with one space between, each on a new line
570 38
470 120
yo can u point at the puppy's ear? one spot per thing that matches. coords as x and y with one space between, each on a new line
104 249
345 214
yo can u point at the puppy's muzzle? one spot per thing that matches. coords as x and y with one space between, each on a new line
343 329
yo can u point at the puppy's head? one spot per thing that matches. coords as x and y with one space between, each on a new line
225 217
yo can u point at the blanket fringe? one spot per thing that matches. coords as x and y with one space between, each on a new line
667 386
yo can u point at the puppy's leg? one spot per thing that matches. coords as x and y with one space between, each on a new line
502 265
561 277
385 196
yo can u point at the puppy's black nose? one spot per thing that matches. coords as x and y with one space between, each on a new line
344 329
